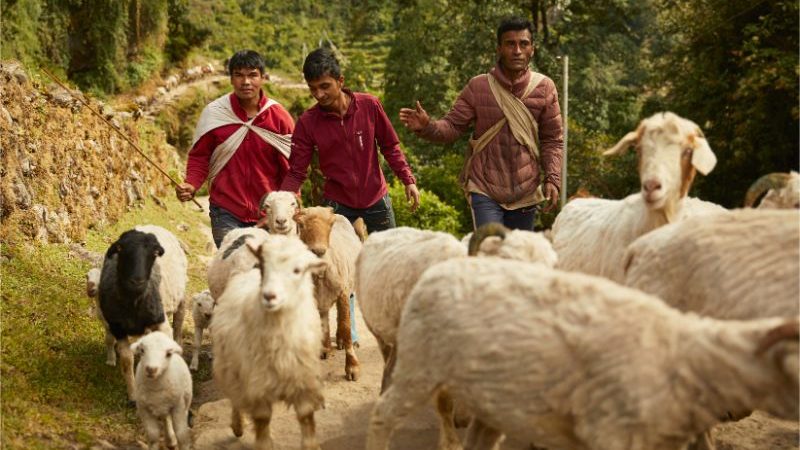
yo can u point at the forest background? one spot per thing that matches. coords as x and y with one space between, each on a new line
730 66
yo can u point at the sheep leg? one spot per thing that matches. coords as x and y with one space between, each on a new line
388 367
111 354
326 334
481 436
177 322
180 424
126 367
401 399
305 415
236 422
169 433
152 428
198 339
343 322
261 419
448 439
351 365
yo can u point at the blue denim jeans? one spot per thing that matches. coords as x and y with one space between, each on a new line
377 217
222 222
486 210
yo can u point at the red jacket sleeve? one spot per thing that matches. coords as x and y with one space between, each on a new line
198 160
389 144
300 158
285 126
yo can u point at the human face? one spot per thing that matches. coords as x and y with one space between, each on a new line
247 83
515 51
326 90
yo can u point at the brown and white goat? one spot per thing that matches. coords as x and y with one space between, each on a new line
331 237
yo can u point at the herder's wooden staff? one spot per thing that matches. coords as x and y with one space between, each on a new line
113 127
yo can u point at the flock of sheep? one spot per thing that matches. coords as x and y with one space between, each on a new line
634 324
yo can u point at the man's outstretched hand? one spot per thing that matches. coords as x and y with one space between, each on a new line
414 119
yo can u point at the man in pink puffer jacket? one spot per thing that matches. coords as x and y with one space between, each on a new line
510 162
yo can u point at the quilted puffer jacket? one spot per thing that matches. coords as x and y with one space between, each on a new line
505 170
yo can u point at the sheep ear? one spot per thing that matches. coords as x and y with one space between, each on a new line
624 143
703 159
115 248
316 266
262 204
159 250
135 347
254 249
175 350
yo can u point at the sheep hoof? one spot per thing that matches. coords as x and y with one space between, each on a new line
238 432
324 354
356 344
351 374
131 403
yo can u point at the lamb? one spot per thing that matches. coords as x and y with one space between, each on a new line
590 234
92 289
740 265
391 262
279 209
202 311
164 388
143 277
232 257
331 237
782 191
267 338
577 361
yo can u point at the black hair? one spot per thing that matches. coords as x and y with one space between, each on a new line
319 63
514 23
246 59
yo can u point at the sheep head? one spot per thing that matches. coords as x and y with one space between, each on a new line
670 150
136 253
314 225
205 303
92 282
155 351
783 191
279 208
286 266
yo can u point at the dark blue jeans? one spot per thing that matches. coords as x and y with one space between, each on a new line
222 222
377 217
486 210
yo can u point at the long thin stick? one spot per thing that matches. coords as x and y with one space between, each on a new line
113 127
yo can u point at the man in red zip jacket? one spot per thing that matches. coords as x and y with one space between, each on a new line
241 145
344 128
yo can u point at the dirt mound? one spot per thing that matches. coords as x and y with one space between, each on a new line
62 169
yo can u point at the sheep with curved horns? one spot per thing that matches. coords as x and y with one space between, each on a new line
577 362
590 234
782 191
143 279
267 339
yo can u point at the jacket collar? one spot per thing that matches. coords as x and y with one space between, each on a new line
237 106
351 109
519 84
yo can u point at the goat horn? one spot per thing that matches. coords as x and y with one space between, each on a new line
775 180
786 331
489 229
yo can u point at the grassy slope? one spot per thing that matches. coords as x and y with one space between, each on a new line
56 388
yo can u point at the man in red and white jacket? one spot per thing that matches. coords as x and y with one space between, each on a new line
241 145
344 127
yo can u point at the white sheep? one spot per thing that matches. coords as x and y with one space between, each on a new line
142 283
590 234
232 257
331 237
202 311
576 362
267 339
782 191
391 262
279 209
164 389
739 265
92 289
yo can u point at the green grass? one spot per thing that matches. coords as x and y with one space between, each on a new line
57 391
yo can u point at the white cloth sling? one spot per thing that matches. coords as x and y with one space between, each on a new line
220 113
